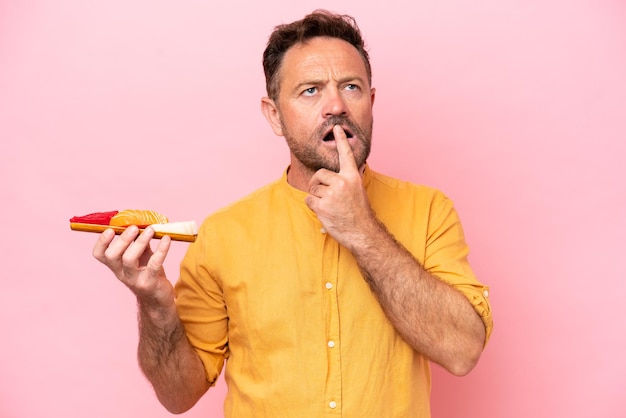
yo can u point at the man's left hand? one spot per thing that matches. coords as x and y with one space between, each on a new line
339 199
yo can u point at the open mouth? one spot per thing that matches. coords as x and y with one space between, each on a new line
331 137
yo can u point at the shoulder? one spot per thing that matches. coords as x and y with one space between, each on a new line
258 197
378 183
246 206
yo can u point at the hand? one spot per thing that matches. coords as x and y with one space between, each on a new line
339 199
132 261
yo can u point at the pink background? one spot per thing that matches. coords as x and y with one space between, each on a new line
516 109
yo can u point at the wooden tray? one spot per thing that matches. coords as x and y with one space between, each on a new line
75 226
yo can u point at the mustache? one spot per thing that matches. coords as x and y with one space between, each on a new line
338 120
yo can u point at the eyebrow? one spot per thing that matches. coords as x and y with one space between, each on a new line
317 82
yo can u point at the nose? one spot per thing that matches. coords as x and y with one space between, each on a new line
335 104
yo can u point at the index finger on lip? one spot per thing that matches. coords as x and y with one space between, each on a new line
346 156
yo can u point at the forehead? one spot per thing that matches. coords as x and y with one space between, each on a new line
322 57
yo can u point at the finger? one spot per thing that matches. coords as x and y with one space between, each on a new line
101 245
155 264
140 247
109 251
118 246
347 162
321 178
312 202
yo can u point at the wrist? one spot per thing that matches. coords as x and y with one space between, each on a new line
370 235
157 313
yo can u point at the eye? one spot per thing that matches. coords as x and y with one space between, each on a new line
310 91
352 87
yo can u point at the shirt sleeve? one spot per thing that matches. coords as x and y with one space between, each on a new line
446 258
202 309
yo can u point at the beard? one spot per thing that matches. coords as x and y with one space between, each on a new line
308 152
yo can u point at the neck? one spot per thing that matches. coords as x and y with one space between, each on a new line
300 177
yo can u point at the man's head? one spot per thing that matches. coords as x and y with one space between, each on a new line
320 23
317 80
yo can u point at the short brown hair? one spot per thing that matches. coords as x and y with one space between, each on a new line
318 23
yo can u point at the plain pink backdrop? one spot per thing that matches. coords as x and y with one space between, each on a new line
516 109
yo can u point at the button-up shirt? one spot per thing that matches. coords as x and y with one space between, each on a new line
267 291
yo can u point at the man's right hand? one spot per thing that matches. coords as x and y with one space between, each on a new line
165 354
134 263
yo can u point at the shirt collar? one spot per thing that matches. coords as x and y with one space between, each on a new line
299 195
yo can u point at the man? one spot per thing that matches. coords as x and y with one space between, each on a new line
326 292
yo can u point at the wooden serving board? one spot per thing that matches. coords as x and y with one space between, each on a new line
75 226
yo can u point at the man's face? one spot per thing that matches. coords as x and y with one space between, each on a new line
323 83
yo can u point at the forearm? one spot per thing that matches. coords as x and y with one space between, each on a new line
165 355
433 317
168 360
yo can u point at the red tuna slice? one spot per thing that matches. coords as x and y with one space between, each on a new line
97 218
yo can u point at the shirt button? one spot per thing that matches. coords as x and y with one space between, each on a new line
331 343
322 230
329 285
332 404
486 293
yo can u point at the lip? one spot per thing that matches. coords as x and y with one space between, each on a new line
353 141
349 134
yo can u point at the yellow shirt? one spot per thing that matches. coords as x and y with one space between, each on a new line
264 287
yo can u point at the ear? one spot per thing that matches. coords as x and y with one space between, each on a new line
272 114
373 95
